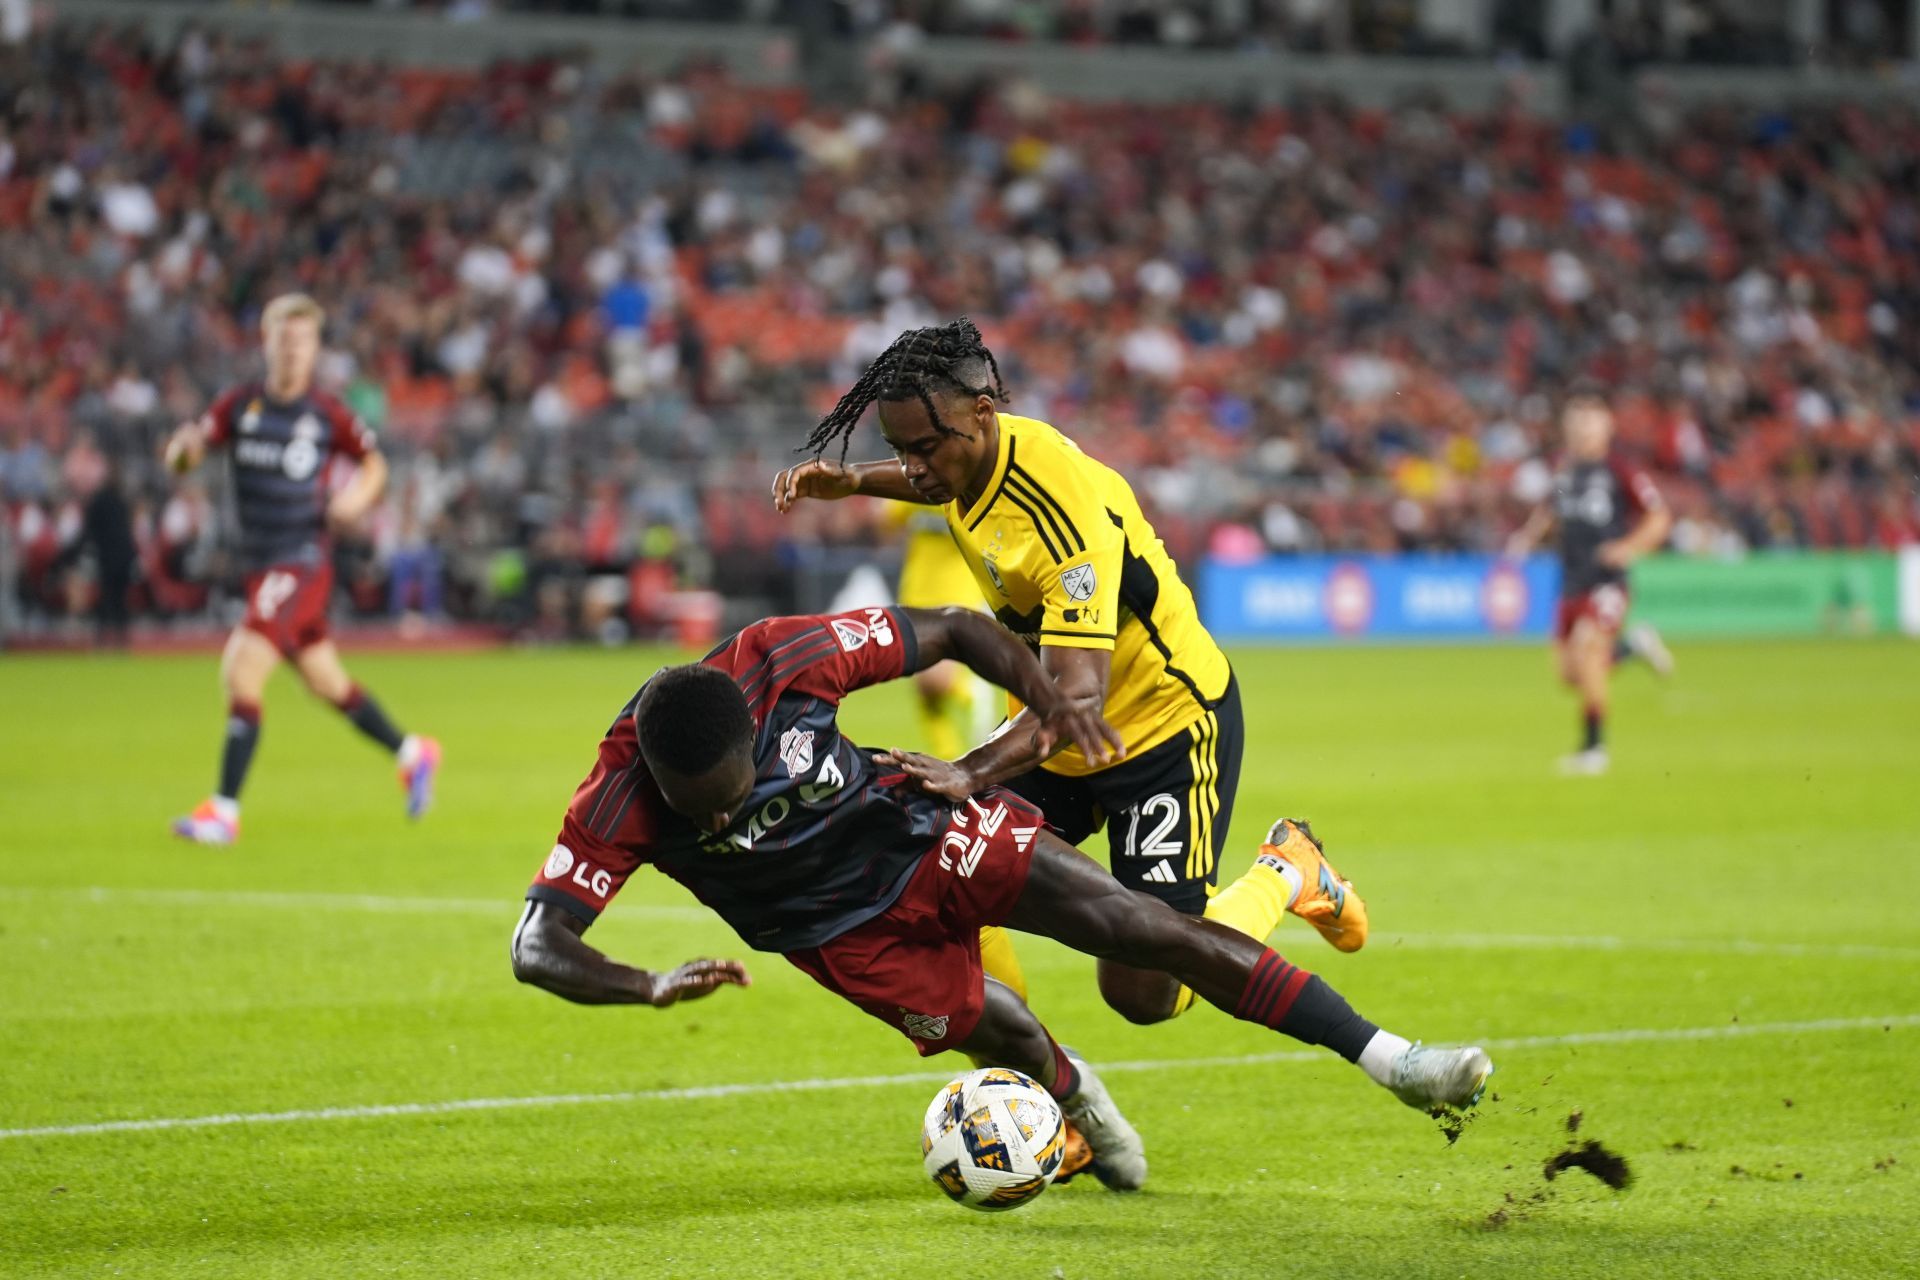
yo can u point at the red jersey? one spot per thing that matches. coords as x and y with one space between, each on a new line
1597 502
280 453
824 842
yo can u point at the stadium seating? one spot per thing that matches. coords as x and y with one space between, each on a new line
1338 328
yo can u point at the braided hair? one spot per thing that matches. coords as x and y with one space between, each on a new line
948 357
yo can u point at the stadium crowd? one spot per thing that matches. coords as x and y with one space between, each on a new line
590 316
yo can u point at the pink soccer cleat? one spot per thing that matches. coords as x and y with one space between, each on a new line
211 823
420 762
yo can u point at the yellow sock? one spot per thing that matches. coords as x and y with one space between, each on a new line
1253 905
998 958
942 738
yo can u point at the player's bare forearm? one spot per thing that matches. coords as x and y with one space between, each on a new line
549 953
831 481
357 498
1022 746
983 646
186 447
1649 535
1065 691
1528 535
884 479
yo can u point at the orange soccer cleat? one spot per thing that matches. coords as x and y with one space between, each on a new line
1077 1156
1326 900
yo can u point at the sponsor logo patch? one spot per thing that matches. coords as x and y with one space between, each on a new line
882 629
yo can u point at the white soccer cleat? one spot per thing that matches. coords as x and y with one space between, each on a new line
1427 1078
1590 763
1119 1157
1645 643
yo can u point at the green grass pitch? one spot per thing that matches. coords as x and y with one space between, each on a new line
1713 955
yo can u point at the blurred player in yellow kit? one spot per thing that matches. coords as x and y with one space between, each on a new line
932 576
952 709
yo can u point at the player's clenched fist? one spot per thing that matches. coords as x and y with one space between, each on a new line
697 978
816 478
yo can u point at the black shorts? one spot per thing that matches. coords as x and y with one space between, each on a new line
1166 811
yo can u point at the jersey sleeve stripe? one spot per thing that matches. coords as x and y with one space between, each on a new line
1053 504
624 789
1039 526
806 657
1078 635
756 681
1037 509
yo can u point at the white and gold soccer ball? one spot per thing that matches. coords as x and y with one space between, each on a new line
993 1139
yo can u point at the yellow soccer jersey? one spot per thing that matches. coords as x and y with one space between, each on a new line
1060 549
932 574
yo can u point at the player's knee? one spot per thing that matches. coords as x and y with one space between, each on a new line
1141 1007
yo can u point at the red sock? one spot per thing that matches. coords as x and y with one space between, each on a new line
1066 1077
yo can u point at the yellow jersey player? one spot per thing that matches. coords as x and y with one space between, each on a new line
1058 546
932 575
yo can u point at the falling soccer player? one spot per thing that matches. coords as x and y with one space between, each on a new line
731 776
282 433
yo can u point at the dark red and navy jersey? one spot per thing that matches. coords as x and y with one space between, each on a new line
281 451
1596 503
825 840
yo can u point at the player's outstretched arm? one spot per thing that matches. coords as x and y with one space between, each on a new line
1064 701
186 448
359 494
831 481
549 953
1650 534
1524 539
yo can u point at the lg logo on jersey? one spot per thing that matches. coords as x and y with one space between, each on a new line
585 875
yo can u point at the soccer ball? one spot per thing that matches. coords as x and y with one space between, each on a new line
993 1139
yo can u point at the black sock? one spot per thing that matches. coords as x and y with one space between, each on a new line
1594 718
1621 650
1297 1003
369 719
243 735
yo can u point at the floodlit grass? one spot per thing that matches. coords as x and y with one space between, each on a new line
1751 862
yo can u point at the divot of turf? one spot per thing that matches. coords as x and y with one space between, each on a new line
1593 1156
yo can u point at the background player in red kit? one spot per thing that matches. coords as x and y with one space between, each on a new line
282 434
1609 514
731 776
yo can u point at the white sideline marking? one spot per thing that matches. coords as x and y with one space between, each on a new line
1626 1036
1571 942
508 906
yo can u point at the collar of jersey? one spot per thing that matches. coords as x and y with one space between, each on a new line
1002 463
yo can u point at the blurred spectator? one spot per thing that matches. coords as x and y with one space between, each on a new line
590 316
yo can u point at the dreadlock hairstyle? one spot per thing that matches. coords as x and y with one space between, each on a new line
948 357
